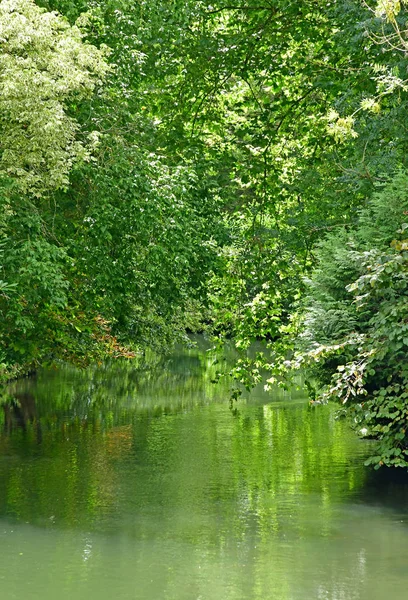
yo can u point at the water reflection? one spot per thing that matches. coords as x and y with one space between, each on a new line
142 484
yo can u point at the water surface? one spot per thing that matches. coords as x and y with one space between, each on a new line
116 483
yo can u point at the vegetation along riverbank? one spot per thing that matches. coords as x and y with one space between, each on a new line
168 167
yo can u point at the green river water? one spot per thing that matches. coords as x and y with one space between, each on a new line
129 485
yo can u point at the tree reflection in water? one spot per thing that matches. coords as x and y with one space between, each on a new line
267 502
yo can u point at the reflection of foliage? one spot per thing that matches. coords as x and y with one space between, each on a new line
119 386
107 439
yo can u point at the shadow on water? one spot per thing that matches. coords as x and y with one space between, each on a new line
387 488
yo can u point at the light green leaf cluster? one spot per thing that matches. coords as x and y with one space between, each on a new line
44 63
341 128
371 105
388 9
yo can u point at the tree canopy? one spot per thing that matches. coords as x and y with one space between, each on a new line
180 166
44 64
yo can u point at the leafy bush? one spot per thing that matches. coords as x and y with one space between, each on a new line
353 337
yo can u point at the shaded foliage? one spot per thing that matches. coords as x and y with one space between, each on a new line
352 336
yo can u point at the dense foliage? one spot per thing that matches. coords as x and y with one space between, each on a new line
353 327
170 166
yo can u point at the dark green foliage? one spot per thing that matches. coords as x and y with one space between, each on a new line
124 252
354 325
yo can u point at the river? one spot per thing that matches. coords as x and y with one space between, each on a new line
145 485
